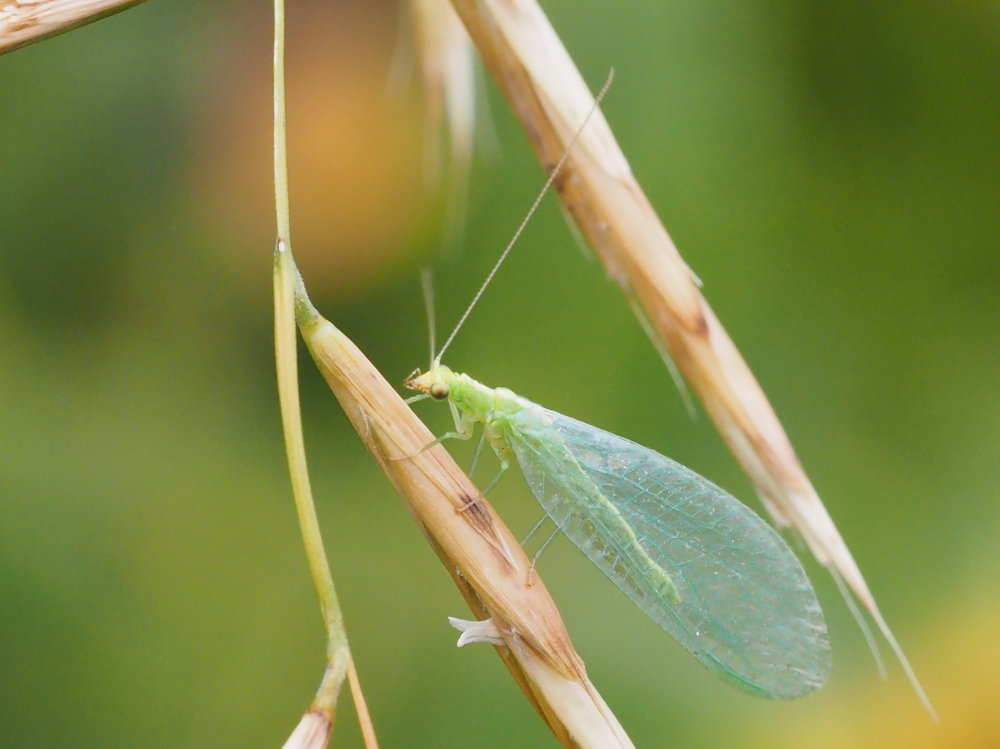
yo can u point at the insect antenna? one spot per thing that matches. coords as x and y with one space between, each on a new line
531 212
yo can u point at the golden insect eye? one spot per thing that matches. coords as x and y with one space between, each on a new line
438 391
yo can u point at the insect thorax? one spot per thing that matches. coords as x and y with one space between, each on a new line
471 397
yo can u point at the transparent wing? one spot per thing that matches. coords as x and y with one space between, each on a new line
743 604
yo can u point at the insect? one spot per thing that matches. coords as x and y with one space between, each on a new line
701 564
697 561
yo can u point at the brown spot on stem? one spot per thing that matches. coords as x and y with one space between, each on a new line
699 324
476 512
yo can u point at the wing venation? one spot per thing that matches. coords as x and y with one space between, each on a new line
746 608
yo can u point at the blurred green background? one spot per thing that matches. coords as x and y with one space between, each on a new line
830 171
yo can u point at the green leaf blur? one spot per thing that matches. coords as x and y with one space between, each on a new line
829 171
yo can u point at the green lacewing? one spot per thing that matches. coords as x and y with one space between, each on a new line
697 561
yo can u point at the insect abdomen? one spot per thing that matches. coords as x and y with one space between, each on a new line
577 506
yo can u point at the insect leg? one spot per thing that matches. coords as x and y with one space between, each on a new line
503 469
475 458
534 529
464 428
504 465
537 554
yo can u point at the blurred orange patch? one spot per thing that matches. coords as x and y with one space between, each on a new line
355 148
960 666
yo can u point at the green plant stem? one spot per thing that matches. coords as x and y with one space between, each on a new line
280 138
285 276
